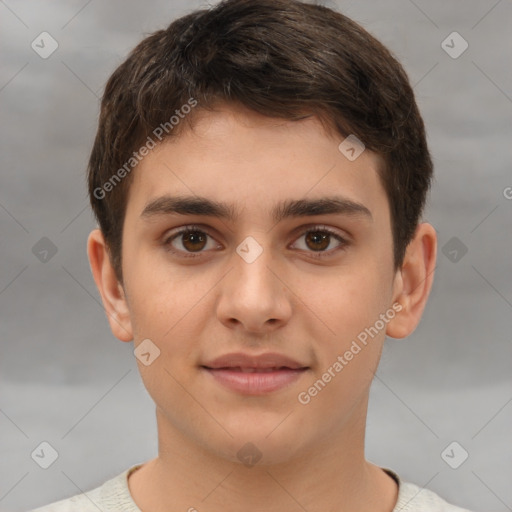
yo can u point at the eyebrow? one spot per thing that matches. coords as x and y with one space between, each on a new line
195 205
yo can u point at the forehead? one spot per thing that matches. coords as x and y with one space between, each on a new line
246 160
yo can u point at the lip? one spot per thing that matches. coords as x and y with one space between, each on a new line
255 383
254 374
261 361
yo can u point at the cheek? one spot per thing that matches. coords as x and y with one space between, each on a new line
160 295
348 343
351 329
350 301
172 312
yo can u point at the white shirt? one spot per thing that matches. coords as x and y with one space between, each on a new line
114 496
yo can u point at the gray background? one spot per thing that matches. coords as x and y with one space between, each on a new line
66 380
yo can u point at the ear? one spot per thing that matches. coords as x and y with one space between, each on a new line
413 281
111 291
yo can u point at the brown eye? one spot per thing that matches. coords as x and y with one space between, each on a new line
189 242
318 240
193 240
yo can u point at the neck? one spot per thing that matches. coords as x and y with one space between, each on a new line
331 476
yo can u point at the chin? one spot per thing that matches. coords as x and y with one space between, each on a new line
255 447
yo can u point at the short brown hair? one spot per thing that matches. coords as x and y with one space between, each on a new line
281 58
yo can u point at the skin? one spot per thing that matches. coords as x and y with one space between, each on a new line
286 301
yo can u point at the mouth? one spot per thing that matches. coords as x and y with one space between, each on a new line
255 381
254 374
253 369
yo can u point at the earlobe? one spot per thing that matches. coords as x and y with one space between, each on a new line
111 291
413 281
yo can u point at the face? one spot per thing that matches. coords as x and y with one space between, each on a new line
289 252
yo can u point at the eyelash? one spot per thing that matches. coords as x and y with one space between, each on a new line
198 229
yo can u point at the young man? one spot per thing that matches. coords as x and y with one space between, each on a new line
258 175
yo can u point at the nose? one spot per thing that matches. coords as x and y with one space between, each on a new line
254 296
